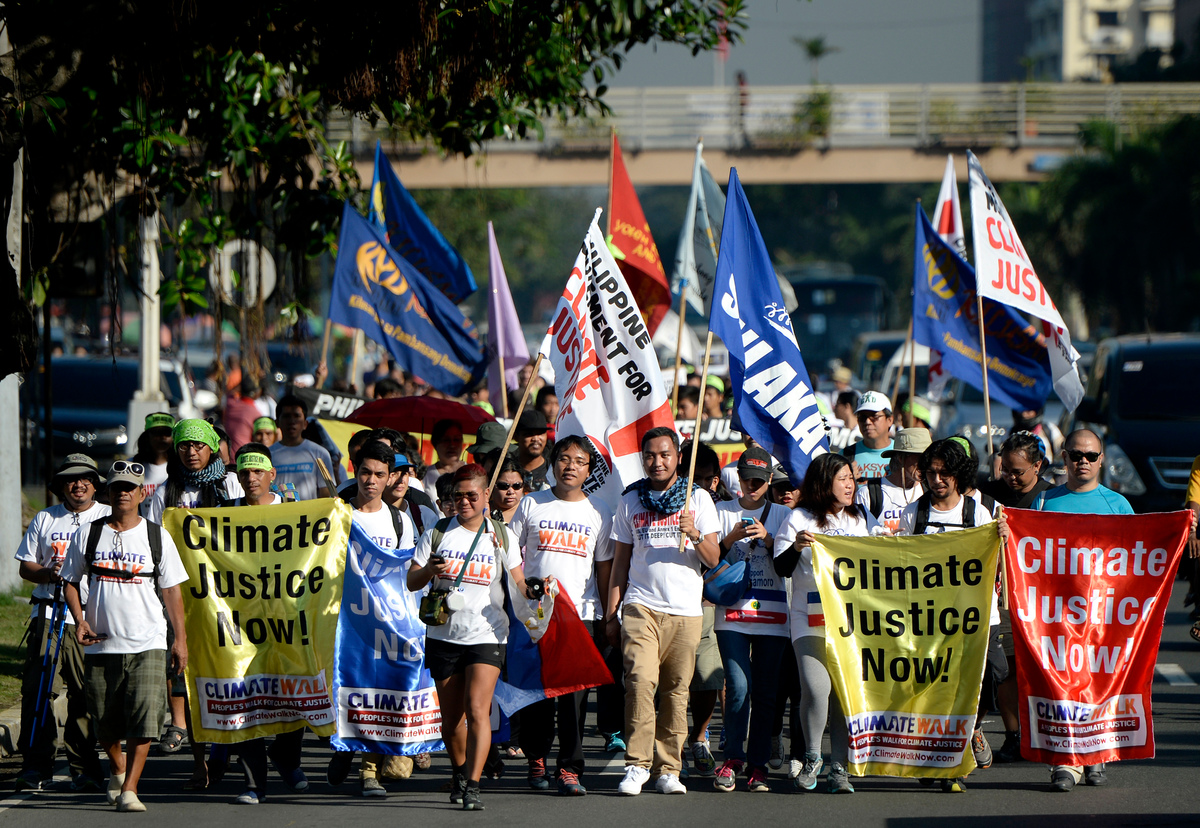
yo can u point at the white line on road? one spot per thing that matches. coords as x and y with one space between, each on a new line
15 799
1175 675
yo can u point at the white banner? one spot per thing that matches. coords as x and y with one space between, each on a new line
1005 273
947 220
606 373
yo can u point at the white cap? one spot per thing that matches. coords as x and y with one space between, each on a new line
873 401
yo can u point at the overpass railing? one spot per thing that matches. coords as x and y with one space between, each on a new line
792 118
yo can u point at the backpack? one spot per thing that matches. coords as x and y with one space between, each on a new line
153 534
414 512
875 495
923 506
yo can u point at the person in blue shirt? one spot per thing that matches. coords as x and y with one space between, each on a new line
1082 494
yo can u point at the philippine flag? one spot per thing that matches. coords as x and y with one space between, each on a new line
550 651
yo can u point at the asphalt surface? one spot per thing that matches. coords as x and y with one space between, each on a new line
1163 791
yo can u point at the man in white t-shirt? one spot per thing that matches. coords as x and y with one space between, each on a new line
295 459
947 470
564 535
41 555
886 497
658 591
133 573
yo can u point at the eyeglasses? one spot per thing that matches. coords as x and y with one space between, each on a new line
1015 473
866 415
121 466
1090 456
503 487
572 463
471 496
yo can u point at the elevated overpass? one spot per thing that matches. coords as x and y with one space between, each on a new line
793 134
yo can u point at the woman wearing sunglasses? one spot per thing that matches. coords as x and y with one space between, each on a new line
508 491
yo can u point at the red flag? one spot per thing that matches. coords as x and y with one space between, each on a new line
633 247
1088 598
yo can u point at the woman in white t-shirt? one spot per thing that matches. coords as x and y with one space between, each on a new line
827 508
464 654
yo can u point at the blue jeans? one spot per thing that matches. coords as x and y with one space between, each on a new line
751 665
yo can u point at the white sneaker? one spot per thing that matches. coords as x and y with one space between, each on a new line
669 783
635 777
115 782
795 768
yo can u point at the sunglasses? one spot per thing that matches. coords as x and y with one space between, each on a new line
471 496
504 487
1076 456
121 466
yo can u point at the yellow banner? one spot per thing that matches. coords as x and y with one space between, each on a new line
261 610
906 636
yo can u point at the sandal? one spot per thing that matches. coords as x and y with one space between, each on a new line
172 739
1195 631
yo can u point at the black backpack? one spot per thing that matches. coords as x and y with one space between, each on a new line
153 534
923 506
875 495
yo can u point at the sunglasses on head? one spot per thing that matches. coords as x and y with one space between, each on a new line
1076 456
122 466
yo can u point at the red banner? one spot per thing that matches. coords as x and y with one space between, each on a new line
632 244
1088 594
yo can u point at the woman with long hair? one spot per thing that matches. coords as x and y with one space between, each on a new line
826 507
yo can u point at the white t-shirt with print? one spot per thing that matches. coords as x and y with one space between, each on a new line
189 499
483 619
660 578
298 465
764 609
127 611
46 542
565 539
951 521
156 475
895 499
806 597
380 528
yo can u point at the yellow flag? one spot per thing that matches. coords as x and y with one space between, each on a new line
906 636
261 608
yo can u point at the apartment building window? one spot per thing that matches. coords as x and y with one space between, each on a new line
1107 18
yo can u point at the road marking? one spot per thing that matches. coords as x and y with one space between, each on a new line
15 799
1175 675
615 766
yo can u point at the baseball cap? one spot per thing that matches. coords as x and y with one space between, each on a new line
920 409
401 462
873 401
123 472
75 465
532 420
754 464
778 475
490 437
910 441
159 419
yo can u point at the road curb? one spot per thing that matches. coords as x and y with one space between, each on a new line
10 730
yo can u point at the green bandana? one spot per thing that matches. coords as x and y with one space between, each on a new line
262 424
159 420
962 441
254 460
196 431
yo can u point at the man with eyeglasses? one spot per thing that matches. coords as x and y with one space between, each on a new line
133 572
41 555
874 415
565 534
1082 494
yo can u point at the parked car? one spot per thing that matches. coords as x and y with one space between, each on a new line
91 403
1143 399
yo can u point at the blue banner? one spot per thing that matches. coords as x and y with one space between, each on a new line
385 698
771 396
412 235
946 319
384 296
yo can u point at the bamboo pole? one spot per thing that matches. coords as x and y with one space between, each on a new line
912 383
695 438
678 349
325 351
503 387
512 428
900 364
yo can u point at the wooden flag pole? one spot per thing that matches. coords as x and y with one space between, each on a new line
987 400
678 348
900 364
912 383
695 438
503 387
358 347
324 351
612 147
512 428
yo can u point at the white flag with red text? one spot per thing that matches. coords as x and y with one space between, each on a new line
606 372
1003 272
947 220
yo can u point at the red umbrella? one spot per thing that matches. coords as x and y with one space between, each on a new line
418 415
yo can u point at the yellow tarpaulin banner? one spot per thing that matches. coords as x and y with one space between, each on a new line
906 636
261 609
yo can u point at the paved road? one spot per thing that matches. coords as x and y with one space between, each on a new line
1163 791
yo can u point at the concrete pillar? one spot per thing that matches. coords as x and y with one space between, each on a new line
148 398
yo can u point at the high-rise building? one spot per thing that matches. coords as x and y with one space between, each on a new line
1005 34
1080 39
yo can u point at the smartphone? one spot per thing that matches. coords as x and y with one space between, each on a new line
747 521
437 560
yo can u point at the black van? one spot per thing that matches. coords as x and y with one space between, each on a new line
1143 398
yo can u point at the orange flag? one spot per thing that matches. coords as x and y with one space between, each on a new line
633 247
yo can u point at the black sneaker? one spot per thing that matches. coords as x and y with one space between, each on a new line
1062 781
470 800
31 780
339 767
1010 751
457 787
1094 775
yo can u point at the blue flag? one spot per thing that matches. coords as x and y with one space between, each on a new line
771 396
412 235
945 318
386 700
384 296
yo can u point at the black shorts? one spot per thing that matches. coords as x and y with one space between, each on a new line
445 659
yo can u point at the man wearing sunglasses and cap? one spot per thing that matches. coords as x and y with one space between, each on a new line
1081 494
41 555
133 573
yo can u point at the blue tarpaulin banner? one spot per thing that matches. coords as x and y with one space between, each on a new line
946 318
385 698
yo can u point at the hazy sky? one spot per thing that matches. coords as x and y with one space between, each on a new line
880 41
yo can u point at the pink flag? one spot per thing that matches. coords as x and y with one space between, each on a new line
504 329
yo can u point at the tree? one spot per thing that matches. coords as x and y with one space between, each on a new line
814 49
218 107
